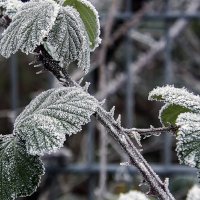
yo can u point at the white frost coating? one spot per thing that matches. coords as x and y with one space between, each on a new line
11 6
29 26
20 172
53 114
194 193
68 40
178 96
3 3
133 195
188 139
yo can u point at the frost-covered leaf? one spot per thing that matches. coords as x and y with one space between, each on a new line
177 96
20 172
90 19
133 195
29 26
68 41
188 139
194 193
11 7
54 113
3 3
169 113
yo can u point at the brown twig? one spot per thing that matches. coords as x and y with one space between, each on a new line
153 131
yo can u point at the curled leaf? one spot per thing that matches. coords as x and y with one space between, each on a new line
169 113
177 96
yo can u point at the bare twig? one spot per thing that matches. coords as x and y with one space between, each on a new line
153 131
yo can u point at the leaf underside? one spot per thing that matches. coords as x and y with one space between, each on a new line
169 113
90 19
20 172
53 114
29 27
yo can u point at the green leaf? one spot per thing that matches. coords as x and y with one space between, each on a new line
20 172
90 19
68 41
169 113
29 26
53 114
178 96
188 139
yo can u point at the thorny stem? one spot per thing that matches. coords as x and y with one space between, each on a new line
157 187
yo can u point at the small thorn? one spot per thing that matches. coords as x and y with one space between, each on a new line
39 65
125 164
103 102
33 62
86 86
39 72
119 120
62 80
61 73
80 81
35 54
151 126
112 111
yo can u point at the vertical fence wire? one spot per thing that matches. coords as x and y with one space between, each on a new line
129 97
168 73
14 82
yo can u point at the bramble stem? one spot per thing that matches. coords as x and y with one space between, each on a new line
157 187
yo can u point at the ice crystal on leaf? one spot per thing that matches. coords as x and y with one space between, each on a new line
11 6
188 139
177 96
54 113
90 18
68 40
20 172
29 26
133 195
194 193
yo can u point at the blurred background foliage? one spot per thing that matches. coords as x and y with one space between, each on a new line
142 24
